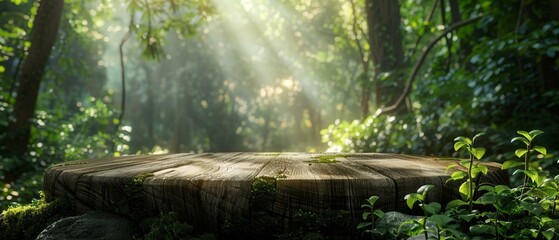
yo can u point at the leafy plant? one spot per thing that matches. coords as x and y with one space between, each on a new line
428 209
371 216
526 138
524 212
467 189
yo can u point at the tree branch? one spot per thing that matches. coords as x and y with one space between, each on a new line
122 70
354 28
428 19
407 89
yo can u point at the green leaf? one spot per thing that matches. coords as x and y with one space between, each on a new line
487 199
458 145
412 198
535 133
487 188
458 175
478 152
477 135
372 200
440 220
425 188
378 213
451 166
455 203
501 188
465 163
540 149
520 152
526 135
511 164
432 208
2 69
478 168
464 139
482 230
366 215
548 234
533 208
524 140
532 174
530 232
465 189
545 220
467 217
517 171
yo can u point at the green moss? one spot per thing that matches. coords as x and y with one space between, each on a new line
263 187
139 179
71 163
27 221
133 205
326 158
169 226
271 154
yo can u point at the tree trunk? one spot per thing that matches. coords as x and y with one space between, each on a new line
383 21
554 9
211 189
45 29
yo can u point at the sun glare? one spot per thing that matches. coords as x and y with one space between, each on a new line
267 43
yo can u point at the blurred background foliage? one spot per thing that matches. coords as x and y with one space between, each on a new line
286 75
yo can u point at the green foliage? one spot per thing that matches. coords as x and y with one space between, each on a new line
468 188
61 137
529 172
168 226
133 204
326 224
27 221
371 216
434 224
500 212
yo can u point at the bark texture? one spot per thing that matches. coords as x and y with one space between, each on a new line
45 29
383 21
209 189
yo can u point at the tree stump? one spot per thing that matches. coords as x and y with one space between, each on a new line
212 188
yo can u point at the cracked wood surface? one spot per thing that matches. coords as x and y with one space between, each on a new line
209 189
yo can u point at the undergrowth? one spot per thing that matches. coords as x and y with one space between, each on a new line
27 221
526 211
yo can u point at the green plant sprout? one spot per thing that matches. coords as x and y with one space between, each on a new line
467 189
428 209
370 216
527 138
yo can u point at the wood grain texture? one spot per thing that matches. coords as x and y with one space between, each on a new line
209 189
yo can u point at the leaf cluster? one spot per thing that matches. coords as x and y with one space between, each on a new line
497 212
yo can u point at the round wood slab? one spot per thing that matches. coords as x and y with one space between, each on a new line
209 189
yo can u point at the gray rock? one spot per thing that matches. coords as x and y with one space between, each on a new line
92 225
394 219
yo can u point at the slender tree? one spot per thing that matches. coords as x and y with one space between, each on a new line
45 28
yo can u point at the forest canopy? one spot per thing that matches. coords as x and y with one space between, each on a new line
99 78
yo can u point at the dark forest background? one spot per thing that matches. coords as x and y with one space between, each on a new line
100 78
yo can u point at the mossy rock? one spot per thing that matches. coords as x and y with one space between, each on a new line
92 225
27 221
